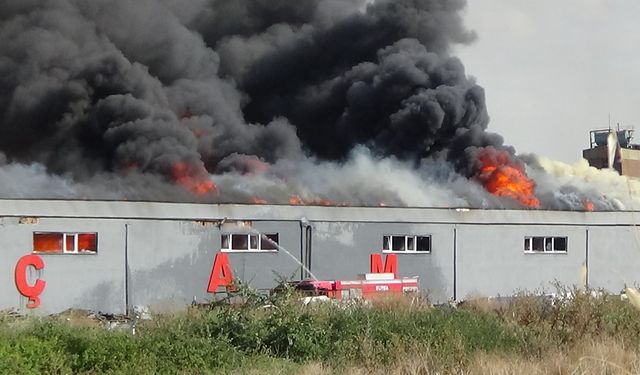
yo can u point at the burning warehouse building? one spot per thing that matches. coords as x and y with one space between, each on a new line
283 137
111 256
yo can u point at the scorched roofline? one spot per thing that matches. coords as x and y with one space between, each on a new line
201 211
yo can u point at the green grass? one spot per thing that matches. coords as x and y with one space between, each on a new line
284 336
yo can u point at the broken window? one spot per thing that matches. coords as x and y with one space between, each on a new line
269 242
406 243
253 242
249 242
542 244
47 242
65 243
224 241
424 243
538 243
240 241
560 243
397 243
410 243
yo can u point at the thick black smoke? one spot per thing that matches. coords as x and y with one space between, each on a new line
150 99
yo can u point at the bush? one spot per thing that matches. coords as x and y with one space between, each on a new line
279 334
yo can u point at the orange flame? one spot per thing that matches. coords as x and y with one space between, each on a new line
295 200
322 202
504 178
258 200
588 205
184 175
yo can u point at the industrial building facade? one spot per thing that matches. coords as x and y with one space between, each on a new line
110 256
613 148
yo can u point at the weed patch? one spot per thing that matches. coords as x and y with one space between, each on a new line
281 335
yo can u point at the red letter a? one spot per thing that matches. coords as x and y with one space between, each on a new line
390 264
220 274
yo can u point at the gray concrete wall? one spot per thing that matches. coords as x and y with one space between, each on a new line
88 281
491 260
170 262
614 257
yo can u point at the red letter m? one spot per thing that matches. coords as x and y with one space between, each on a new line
390 264
220 274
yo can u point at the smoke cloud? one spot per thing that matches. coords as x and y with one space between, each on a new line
309 101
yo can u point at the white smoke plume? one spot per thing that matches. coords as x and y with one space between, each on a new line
564 186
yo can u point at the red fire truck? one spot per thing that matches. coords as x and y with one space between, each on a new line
366 286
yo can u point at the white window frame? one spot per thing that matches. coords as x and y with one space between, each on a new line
75 243
529 240
75 249
406 243
249 248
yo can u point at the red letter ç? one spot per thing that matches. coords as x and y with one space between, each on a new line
390 264
32 292
220 274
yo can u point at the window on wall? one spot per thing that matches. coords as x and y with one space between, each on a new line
249 242
65 243
545 244
406 243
